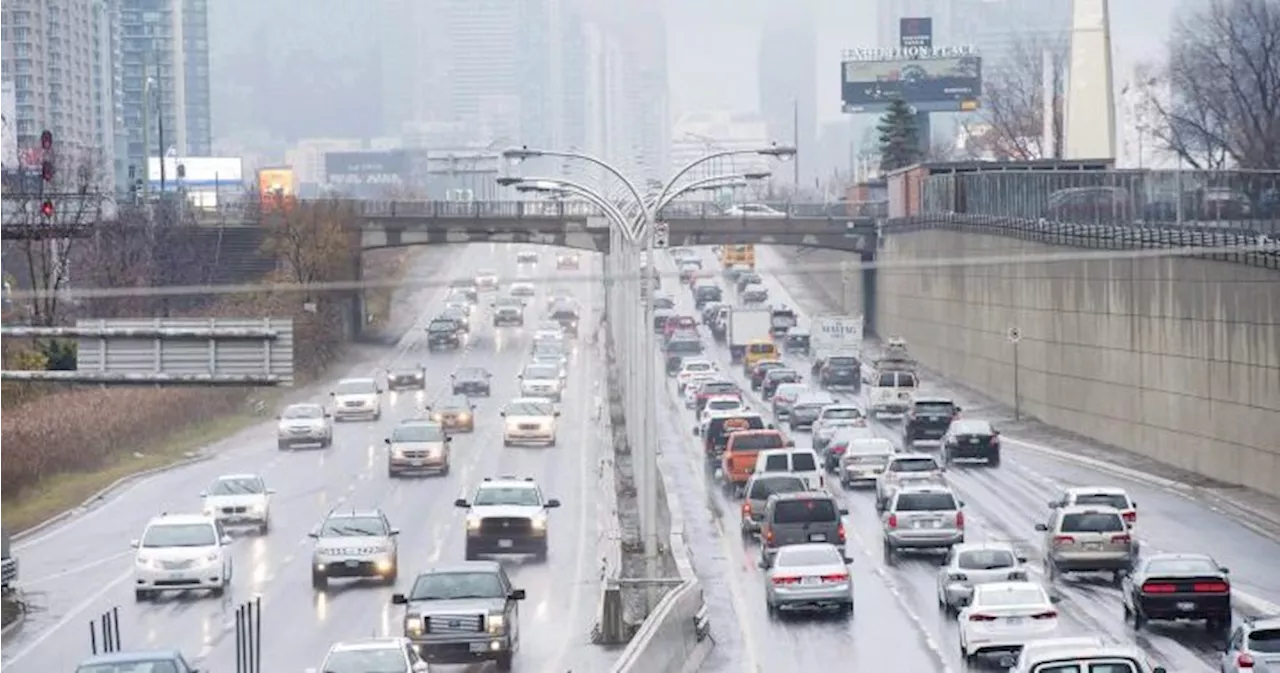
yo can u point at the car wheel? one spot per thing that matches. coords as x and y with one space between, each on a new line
471 554
219 590
319 580
283 446
846 610
552 442
141 595
541 554
504 662
264 527
994 461
390 578
1139 619
890 555
326 442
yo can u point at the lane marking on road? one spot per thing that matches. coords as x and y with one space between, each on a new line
72 614
75 570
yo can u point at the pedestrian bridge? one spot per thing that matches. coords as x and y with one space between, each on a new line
581 225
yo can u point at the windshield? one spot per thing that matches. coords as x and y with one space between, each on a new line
914 465
564 314
418 432
1010 597
698 367
541 372
971 428
470 374
353 526
789 391
717 387
935 408
529 409
799 557
356 387
453 586
842 361
1265 640
986 559
783 375
925 502
523 496
237 486
758 441
1182 566
1116 500
724 405
180 535
844 413
1097 522
307 411
761 489
509 302
442 326
487 273
807 510
783 320
548 348
381 660
664 303
148 666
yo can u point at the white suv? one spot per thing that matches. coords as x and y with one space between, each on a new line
179 552
239 500
529 419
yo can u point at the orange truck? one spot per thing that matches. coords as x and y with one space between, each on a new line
738 462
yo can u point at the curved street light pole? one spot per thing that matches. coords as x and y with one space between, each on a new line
522 153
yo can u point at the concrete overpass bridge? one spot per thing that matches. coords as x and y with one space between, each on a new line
580 225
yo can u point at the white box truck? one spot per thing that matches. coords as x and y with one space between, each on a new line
745 326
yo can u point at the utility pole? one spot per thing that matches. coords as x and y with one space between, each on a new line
795 141
160 128
146 126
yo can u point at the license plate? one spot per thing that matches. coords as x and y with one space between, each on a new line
974 440
809 580
818 537
416 462
505 544
352 564
479 647
176 575
1093 546
1186 606
1015 621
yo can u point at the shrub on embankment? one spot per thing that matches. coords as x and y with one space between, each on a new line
80 428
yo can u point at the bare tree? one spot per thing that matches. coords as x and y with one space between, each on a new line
313 239
1013 99
1217 100
47 217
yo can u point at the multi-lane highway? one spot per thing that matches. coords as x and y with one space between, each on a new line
897 624
84 567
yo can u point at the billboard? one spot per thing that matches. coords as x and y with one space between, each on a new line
196 173
278 182
947 84
367 172
915 32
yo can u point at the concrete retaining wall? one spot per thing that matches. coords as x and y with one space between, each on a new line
1175 359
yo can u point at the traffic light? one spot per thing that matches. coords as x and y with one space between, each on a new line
46 140
46 208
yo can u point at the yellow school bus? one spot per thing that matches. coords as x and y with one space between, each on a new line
743 256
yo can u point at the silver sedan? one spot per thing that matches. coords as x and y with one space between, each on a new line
970 564
808 577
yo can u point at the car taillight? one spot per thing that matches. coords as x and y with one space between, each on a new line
1130 516
839 449
1158 588
840 533
1048 614
1244 661
786 580
1063 539
768 536
959 577
893 520
746 508
981 618
959 519
1211 587
1120 539
836 577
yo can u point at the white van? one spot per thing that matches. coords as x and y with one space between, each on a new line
802 463
864 460
892 392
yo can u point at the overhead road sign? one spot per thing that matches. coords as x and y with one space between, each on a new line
172 351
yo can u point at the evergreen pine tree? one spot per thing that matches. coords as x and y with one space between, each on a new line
899 144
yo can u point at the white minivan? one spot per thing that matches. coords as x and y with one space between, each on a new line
803 463
892 392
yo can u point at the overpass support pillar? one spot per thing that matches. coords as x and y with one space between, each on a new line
358 318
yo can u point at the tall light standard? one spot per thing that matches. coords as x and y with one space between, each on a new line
641 236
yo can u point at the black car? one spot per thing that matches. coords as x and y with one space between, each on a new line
748 278
660 317
567 316
402 379
444 333
471 381
706 294
971 438
928 420
459 316
776 377
1178 587
839 371
762 369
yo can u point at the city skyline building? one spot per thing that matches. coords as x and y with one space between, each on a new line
788 86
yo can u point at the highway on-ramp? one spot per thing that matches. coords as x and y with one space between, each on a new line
84 567
897 624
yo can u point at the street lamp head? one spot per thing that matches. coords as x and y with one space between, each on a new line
509 181
517 154
777 151
761 175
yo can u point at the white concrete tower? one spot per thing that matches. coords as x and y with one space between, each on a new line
1090 110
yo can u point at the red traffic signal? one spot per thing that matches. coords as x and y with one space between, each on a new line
46 170
46 208
46 140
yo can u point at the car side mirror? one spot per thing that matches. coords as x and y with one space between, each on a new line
556 413
519 376
393 532
502 413
377 391
517 594
461 503
279 417
332 394
1042 528
791 443
314 534
453 376
844 511
133 544
328 415
387 441
226 540
1022 559
399 599
1055 599
1225 571
271 491
553 503
848 560
204 494
762 564
1133 504
448 439
1053 504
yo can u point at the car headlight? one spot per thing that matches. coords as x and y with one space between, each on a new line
540 523
473 523
497 623
464 417
435 417
412 626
